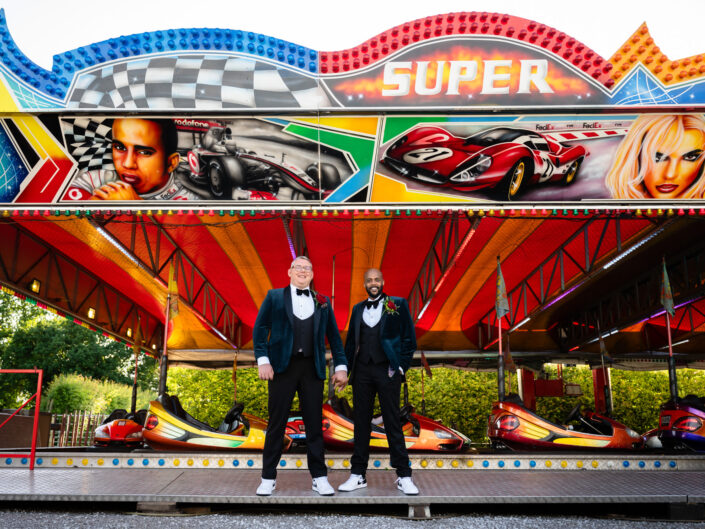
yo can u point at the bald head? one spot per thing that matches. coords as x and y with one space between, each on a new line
374 282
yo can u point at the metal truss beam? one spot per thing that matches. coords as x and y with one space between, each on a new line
151 246
639 300
546 284
68 286
453 234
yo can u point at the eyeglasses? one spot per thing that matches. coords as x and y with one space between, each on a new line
302 268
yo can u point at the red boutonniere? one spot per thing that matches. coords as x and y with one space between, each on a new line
320 300
390 307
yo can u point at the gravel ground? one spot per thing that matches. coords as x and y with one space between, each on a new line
22 519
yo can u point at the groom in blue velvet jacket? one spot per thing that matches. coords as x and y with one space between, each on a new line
379 347
289 342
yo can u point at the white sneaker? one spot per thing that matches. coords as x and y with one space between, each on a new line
322 486
406 485
354 482
266 487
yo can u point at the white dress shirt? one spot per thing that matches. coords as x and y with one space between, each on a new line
372 315
302 305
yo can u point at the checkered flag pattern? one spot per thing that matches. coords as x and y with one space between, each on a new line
89 142
203 82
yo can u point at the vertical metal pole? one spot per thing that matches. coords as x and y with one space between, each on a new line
35 427
500 369
672 377
165 354
423 392
331 367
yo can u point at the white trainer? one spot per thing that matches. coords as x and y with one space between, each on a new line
354 482
322 486
406 485
266 487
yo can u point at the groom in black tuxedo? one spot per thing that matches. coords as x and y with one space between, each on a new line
289 342
379 347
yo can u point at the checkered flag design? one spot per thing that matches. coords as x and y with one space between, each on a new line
89 142
203 82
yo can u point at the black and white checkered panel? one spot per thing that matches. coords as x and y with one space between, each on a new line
203 82
89 142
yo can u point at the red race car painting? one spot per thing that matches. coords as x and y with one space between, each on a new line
505 160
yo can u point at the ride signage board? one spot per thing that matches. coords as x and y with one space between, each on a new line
459 72
457 108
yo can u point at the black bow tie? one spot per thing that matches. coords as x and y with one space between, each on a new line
302 292
372 304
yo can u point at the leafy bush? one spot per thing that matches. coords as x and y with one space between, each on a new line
69 393
461 399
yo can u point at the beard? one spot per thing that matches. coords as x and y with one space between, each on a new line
371 294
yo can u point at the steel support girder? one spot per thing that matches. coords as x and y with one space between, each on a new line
154 249
546 284
454 231
640 299
69 286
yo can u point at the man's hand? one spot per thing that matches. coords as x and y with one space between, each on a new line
116 191
266 372
340 380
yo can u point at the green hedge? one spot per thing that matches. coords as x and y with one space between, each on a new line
69 393
460 399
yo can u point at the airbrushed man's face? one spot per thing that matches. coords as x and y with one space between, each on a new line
138 154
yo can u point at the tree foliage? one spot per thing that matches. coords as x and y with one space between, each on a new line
69 393
32 338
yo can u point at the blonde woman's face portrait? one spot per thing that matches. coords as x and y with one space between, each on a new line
671 174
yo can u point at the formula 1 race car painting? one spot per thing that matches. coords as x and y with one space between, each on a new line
501 160
230 171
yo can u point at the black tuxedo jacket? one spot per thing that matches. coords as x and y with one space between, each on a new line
273 333
396 334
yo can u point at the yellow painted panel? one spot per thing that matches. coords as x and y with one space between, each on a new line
363 125
534 432
385 189
7 103
43 142
580 441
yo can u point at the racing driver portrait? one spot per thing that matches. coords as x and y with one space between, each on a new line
145 156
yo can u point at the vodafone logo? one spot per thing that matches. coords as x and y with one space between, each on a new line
193 123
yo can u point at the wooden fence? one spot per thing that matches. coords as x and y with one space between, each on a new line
74 429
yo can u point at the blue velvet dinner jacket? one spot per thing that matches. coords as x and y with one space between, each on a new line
396 334
273 333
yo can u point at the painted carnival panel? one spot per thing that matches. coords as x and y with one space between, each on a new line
205 159
556 158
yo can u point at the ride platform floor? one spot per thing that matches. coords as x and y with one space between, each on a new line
237 486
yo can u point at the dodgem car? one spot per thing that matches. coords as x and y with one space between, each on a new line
232 172
514 426
503 159
682 424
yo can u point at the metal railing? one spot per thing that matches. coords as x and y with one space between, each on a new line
37 397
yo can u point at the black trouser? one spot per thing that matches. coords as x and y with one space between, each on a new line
368 380
300 377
